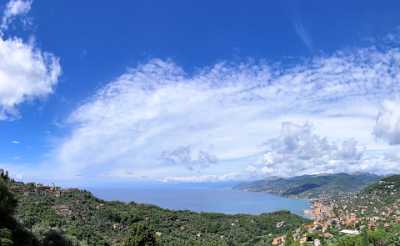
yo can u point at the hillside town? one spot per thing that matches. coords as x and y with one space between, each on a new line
349 215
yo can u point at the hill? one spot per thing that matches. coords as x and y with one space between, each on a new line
86 220
311 186
368 217
384 185
54 216
378 203
12 232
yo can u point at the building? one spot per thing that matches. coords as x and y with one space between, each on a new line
278 240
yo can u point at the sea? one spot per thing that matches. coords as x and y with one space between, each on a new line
202 198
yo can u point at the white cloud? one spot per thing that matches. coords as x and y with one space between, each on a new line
185 155
298 150
15 142
156 120
13 9
202 178
387 125
26 73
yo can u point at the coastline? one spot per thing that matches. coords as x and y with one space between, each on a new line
227 201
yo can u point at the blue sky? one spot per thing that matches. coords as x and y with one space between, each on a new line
198 91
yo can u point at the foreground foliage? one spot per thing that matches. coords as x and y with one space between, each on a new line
11 231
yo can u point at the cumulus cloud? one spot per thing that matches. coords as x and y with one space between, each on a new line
192 159
387 125
299 150
26 73
13 9
157 120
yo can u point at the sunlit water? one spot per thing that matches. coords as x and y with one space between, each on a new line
224 200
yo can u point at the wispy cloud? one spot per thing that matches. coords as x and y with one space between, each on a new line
294 13
156 120
15 8
303 34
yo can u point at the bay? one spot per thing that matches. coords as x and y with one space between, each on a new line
203 199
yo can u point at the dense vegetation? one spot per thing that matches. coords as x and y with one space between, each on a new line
12 232
32 214
378 237
312 186
82 219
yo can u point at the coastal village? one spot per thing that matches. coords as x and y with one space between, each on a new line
349 214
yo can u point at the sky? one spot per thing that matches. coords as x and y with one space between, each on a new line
198 91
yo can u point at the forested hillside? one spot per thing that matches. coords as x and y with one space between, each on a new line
33 214
83 219
12 232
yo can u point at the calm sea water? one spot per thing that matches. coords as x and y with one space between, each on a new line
207 199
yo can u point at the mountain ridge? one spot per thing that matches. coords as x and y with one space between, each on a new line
311 186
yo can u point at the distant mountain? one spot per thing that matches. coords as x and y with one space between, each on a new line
311 186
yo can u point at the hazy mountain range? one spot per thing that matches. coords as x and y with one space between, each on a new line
311 186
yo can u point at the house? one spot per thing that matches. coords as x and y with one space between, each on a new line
306 239
327 235
280 224
63 210
350 232
278 240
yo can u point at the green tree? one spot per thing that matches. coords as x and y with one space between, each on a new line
6 237
289 239
378 237
55 238
11 232
364 238
4 175
8 203
7 208
140 235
